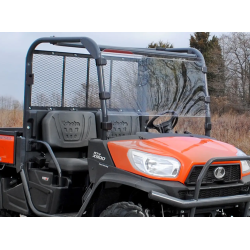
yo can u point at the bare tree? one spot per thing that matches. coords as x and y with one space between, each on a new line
10 112
236 53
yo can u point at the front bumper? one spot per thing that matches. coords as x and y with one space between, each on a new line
189 204
207 202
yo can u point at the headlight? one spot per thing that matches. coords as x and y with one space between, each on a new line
154 165
245 164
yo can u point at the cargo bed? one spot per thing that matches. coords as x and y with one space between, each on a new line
8 138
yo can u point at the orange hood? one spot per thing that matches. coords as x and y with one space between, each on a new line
188 150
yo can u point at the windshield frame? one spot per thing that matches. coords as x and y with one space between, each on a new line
93 48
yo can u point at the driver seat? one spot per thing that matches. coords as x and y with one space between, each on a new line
123 123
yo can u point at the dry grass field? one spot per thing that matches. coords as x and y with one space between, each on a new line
11 118
230 128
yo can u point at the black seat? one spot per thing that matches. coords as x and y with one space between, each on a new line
69 130
123 123
71 165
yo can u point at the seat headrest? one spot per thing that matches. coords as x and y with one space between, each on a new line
68 129
123 123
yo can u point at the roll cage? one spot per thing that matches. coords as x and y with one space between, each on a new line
95 53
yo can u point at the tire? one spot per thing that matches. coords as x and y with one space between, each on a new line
110 196
123 209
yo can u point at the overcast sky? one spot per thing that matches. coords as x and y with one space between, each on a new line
14 46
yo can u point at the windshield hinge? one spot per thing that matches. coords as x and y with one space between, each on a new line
29 79
207 99
204 69
104 95
100 61
106 125
208 126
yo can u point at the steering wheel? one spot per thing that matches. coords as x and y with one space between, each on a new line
166 126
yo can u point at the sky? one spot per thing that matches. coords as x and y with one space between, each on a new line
14 46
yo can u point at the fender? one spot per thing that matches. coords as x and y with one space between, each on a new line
119 176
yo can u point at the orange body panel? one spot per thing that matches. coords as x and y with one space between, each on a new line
189 151
7 149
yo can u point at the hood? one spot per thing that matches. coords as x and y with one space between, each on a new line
189 151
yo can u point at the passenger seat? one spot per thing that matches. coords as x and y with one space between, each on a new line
69 130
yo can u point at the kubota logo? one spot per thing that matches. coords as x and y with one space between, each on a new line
219 172
98 156
68 123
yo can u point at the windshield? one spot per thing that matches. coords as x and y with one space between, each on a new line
153 85
138 85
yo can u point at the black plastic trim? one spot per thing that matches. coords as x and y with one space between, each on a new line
215 165
148 135
100 61
208 126
29 79
106 125
28 197
104 96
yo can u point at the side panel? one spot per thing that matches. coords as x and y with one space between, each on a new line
99 159
7 146
13 198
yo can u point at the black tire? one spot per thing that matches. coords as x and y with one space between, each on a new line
123 209
110 196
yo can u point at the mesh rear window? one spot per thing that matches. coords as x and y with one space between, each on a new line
79 77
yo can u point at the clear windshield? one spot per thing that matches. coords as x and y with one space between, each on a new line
138 85
154 85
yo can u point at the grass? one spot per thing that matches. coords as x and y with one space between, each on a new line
11 118
231 128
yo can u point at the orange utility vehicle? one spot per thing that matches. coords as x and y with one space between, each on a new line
100 138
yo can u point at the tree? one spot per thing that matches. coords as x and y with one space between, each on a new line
160 44
10 112
236 53
211 50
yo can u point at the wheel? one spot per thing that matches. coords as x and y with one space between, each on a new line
123 209
105 198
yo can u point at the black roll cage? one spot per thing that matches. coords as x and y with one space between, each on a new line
95 53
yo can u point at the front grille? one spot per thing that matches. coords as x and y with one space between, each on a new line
233 173
216 192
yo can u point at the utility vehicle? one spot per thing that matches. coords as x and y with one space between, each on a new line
99 137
